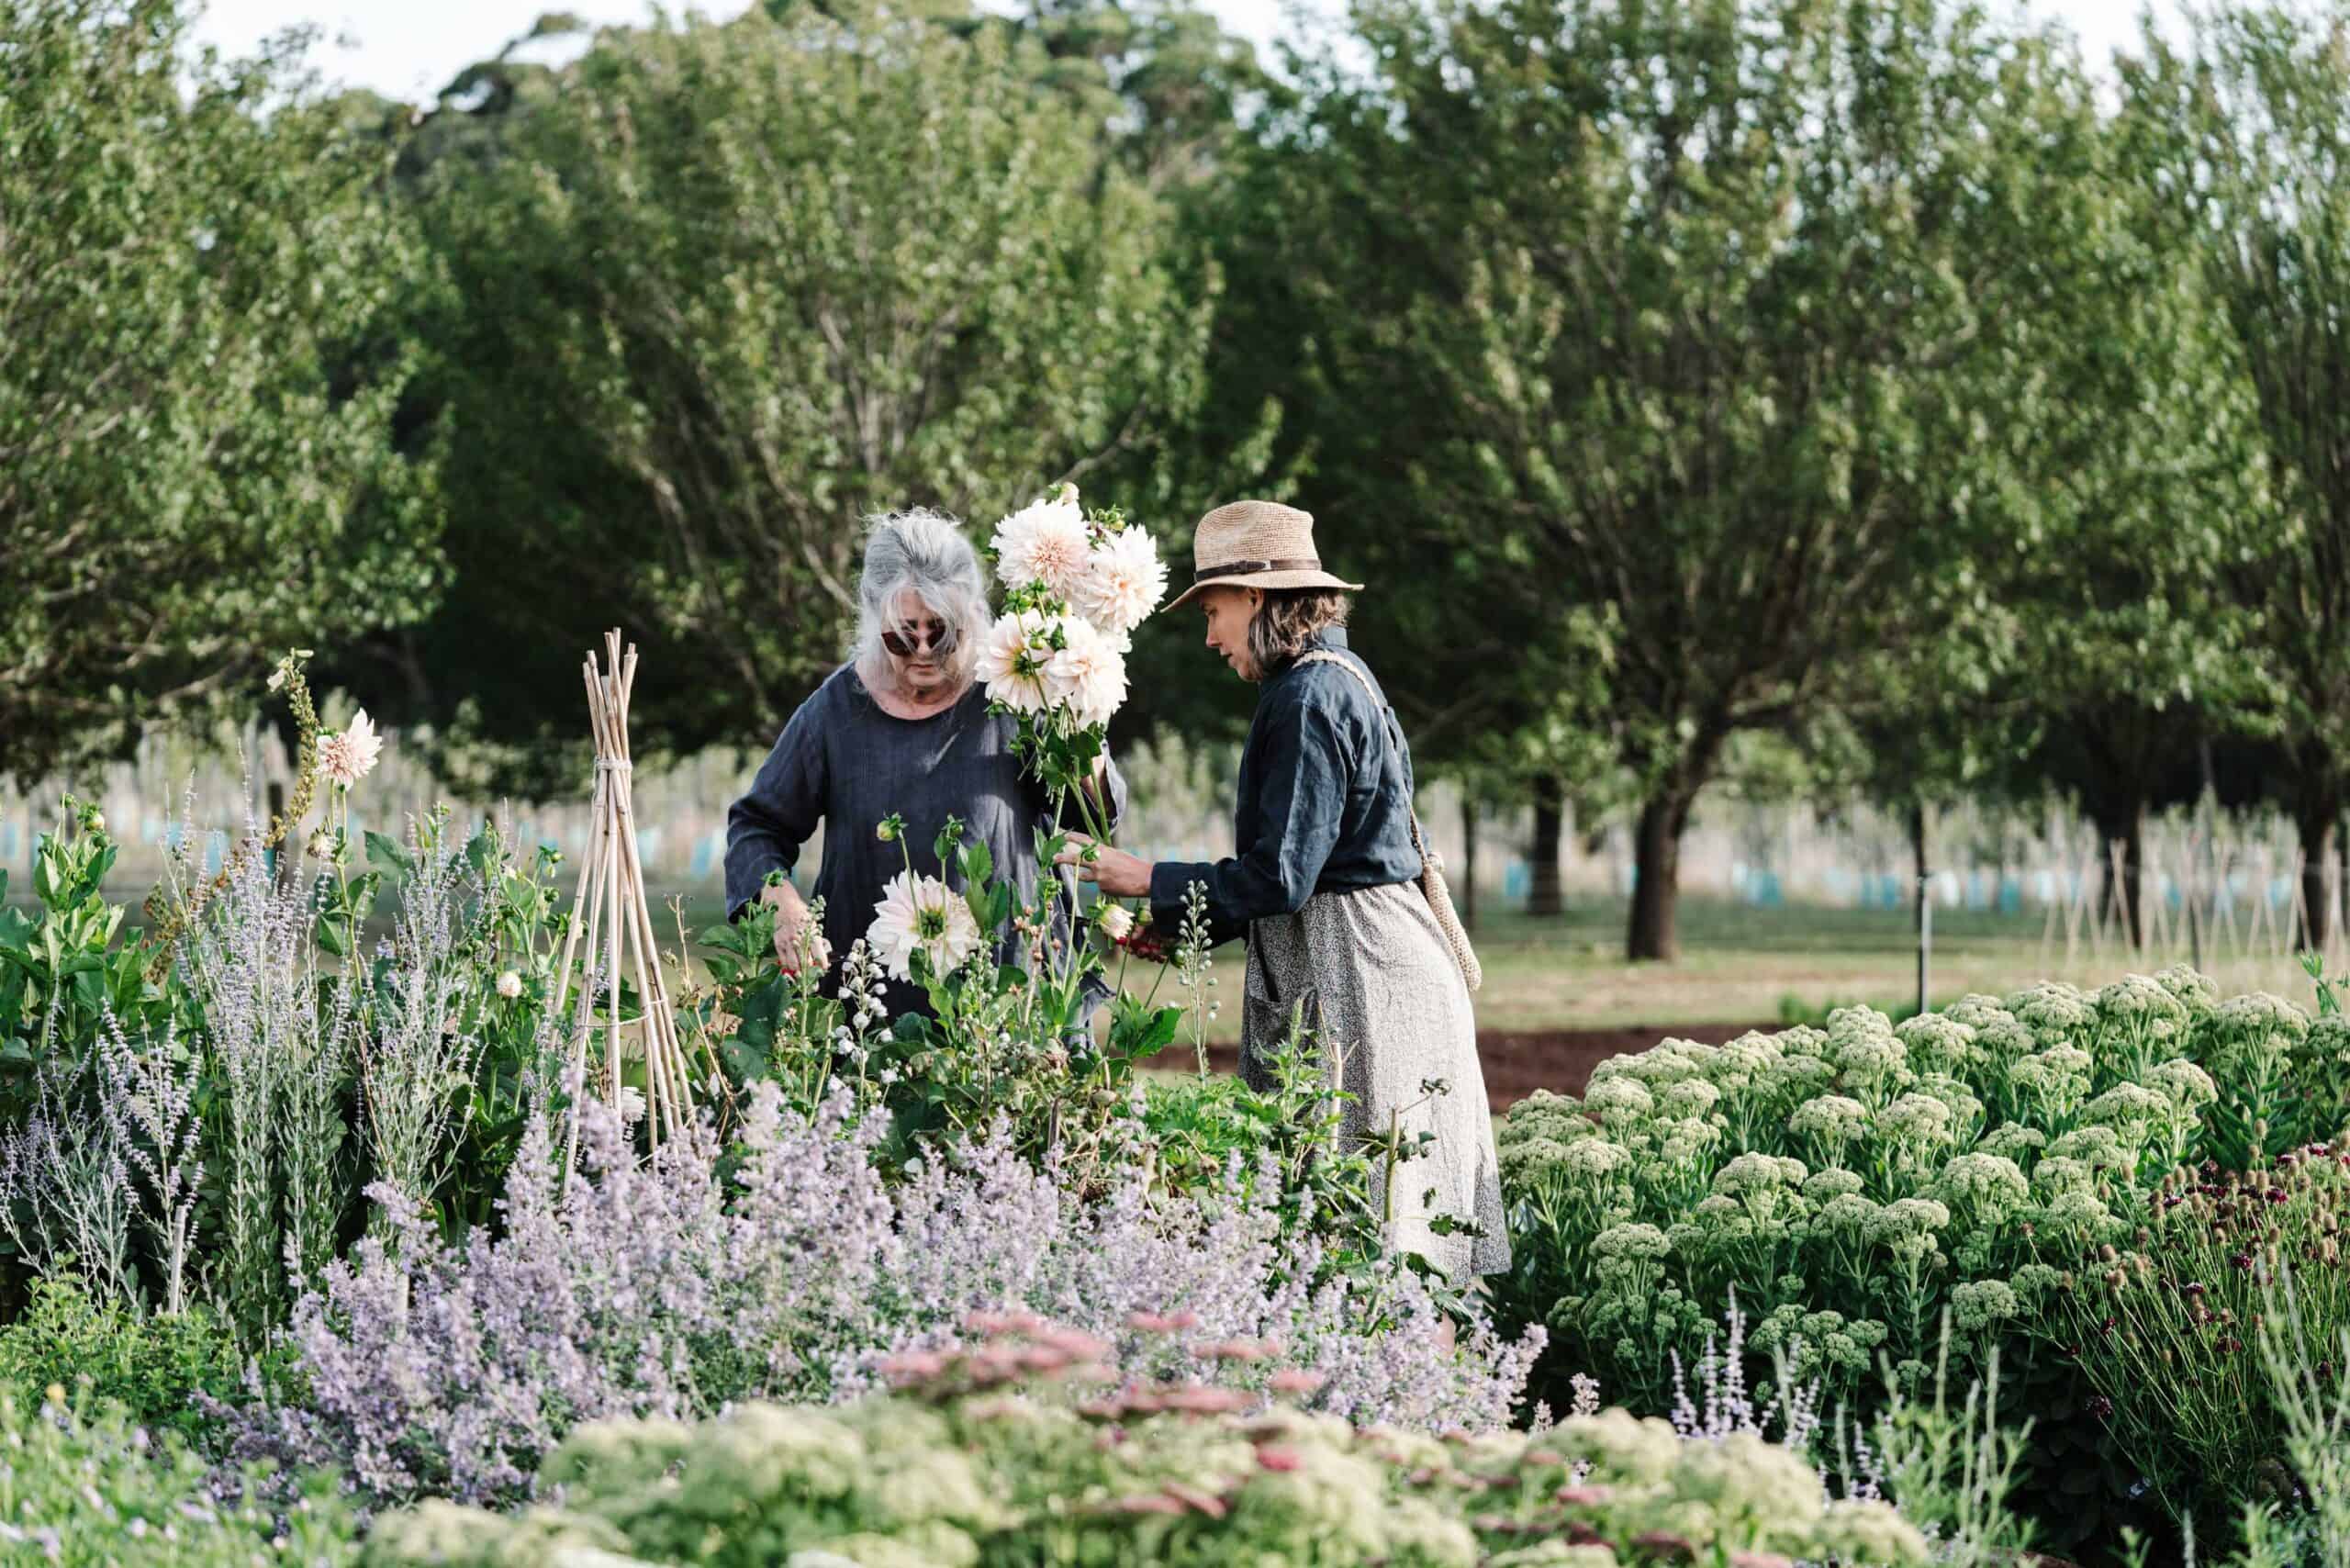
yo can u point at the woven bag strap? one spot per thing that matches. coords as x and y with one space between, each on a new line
1432 883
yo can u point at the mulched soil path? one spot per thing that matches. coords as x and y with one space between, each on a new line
1558 1060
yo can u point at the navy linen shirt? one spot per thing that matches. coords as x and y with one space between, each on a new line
843 760
1324 802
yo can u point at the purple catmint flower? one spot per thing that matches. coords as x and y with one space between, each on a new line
663 1290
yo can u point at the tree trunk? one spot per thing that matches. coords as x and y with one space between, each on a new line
2122 822
1545 899
1656 887
1922 868
1466 884
2315 816
2342 859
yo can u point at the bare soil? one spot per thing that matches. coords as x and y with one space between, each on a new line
1518 1063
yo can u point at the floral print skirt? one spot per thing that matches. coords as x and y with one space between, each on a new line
1384 1000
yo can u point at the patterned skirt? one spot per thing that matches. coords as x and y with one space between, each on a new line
1384 999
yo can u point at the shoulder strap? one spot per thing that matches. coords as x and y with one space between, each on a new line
1432 883
1329 656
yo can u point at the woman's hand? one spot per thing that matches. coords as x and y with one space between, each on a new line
791 924
1116 872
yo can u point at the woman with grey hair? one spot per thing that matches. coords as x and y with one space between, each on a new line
900 729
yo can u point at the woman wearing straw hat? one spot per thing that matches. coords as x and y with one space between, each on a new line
1345 914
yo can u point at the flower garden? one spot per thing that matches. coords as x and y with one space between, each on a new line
341 1224
320 1245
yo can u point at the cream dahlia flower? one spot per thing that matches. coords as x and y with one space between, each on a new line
1015 662
1117 922
509 985
1123 582
923 914
345 757
1045 541
1090 672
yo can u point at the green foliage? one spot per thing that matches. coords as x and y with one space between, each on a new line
198 434
151 1366
2173 1336
1007 1043
1952 1467
85 1488
961 1469
734 287
1694 310
66 966
1850 1185
2236 132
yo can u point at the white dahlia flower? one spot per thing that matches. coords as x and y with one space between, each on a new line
1016 664
923 914
1090 672
1045 541
345 757
1123 582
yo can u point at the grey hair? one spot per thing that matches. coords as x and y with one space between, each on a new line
1287 619
925 551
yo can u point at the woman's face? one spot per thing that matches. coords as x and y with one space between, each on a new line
921 671
1228 611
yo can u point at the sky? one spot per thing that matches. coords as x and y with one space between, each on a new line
409 48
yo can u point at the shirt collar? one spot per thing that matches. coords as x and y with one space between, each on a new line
1328 637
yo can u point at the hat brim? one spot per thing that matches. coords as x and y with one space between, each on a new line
1292 579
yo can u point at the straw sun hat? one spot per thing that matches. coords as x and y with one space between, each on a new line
1259 544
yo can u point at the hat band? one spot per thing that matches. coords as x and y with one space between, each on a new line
1252 568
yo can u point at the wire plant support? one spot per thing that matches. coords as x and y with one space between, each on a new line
608 911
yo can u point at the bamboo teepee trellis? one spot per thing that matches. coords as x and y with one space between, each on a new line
608 910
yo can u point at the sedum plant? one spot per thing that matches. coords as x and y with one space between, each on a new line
1030 1447
1852 1185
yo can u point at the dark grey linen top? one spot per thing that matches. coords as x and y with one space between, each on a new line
1325 801
843 760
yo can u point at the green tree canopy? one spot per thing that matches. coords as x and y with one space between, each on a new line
198 375
1703 296
728 289
2243 137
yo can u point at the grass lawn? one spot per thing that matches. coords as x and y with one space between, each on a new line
1739 964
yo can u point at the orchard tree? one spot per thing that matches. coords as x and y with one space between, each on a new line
200 367
2096 645
728 290
2244 137
1313 398
1704 340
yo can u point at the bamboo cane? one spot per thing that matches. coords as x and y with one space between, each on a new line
664 1057
611 918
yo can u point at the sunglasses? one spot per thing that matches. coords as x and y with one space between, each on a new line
933 635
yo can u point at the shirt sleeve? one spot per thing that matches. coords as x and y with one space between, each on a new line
1306 770
765 828
1114 784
